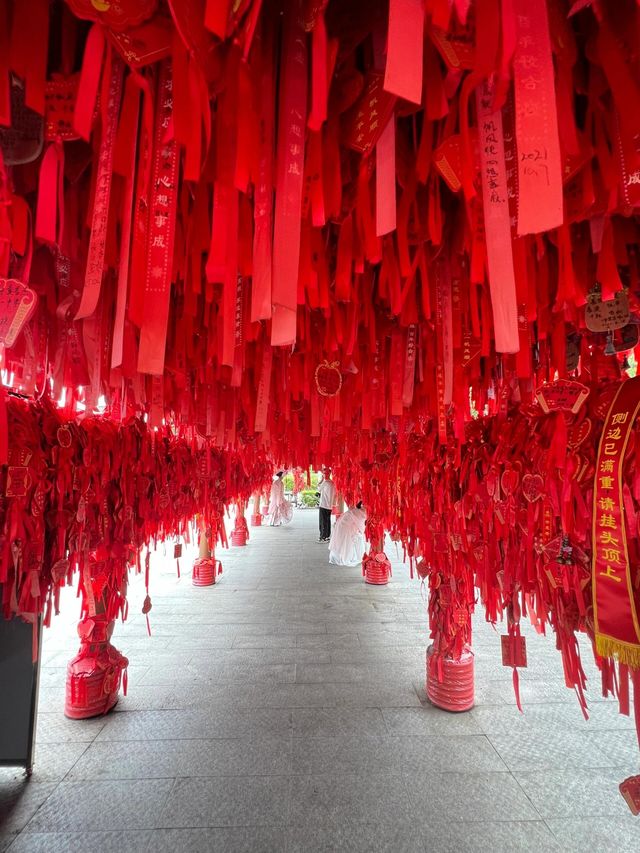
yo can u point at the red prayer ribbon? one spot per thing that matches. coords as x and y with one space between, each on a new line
291 138
539 163
161 234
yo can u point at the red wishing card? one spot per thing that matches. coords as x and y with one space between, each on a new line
562 395
630 790
17 303
514 651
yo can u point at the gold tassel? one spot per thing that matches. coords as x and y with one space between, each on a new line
626 653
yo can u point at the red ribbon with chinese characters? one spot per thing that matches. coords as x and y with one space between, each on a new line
539 165
160 240
615 599
291 136
98 240
502 283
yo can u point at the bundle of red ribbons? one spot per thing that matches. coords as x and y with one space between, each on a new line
87 497
399 237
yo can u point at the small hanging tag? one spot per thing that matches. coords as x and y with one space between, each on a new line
17 304
514 651
177 550
606 316
630 790
562 395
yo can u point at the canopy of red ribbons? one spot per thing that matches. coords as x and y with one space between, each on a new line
398 237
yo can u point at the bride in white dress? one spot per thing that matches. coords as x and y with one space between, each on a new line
280 510
347 543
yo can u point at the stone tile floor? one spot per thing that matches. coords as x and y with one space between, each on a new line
284 710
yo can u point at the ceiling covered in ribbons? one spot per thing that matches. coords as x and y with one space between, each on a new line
288 220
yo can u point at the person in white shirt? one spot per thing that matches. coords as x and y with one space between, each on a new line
327 493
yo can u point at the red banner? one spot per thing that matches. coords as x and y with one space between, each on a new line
615 599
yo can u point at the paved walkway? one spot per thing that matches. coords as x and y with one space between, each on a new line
284 710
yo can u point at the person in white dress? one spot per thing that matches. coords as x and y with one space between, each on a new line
347 543
280 511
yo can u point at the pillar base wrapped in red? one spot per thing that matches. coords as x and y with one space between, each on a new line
376 568
256 519
206 571
95 673
239 537
450 682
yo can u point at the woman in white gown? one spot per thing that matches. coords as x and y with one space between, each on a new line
346 546
280 511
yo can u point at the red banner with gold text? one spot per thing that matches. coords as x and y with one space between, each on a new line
615 588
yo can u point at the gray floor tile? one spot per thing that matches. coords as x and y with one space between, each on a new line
56 728
571 793
490 837
354 673
329 722
170 758
102 805
354 838
20 799
227 801
468 797
618 747
428 720
363 753
336 800
527 750
81 842
264 839
604 835
193 723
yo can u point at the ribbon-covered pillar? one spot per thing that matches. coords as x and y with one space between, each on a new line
95 674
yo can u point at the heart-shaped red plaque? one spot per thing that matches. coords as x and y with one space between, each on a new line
532 487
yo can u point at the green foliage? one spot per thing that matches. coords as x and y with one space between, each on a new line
288 482
308 497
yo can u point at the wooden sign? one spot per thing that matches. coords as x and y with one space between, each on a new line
606 316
